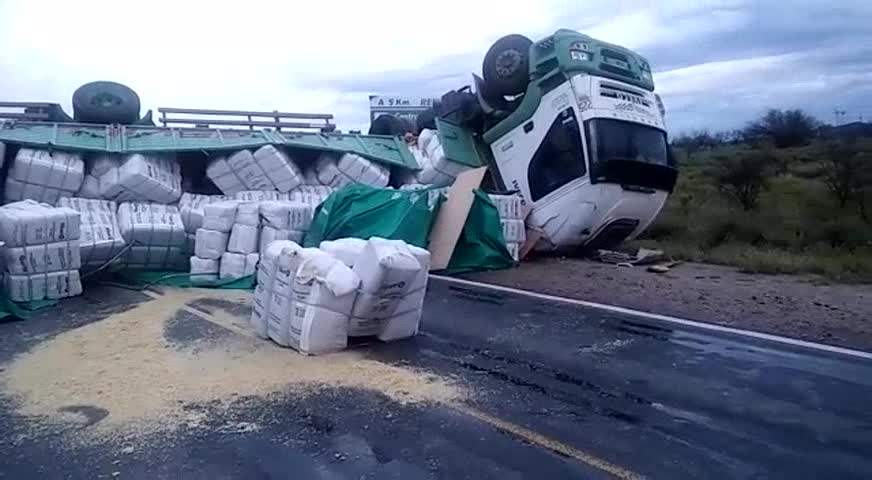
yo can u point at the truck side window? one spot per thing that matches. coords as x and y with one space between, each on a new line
559 159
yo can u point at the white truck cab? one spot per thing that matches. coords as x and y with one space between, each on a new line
584 146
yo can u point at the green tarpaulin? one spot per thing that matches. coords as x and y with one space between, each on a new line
362 212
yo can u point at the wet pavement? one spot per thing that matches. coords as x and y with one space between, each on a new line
559 391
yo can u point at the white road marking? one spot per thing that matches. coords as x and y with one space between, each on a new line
665 318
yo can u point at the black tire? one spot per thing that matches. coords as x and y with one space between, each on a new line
506 66
426 119
105 102
388 125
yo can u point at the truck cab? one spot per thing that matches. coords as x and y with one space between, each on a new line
584 143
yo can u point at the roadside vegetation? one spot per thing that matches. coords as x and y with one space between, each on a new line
783 195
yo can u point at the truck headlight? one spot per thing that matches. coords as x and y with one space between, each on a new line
579 55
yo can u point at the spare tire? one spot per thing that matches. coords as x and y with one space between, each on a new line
388 125
506 66
105 102
426 120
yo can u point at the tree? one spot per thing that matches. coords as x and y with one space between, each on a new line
847 173
743 177
784 128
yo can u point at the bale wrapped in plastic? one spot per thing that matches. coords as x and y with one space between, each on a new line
191 208
220 216
28 222
154 234
204 270
96 167
279 168
52 285
44 176
100 240
143 178
350 169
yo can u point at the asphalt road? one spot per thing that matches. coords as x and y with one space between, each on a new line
560 392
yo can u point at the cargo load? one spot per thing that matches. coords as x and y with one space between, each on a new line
42 255
100 240
349 169
96 167
44 176
143 178
191 208
154 234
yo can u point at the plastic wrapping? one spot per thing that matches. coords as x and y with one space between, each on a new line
191 208
223 177
248 213
43 176
436 169
237 265
204 270
260 195
511 207
31 223
155 233
243 239
48 257
349 169
95 167
278 168
54 285
242 163
269 235
210 244
100 239
514 231
143 178
220 216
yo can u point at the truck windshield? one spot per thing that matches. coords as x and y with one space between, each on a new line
619 140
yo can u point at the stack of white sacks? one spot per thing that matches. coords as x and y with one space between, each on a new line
96 167
144 178
42 256
313 299
268 168
337 171
512 219
233 233
436 170
100 240
44 176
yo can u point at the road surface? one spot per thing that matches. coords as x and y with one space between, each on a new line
560 391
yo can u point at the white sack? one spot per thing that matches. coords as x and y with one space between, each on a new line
324 293
100 238
31 223
243 239
223 177
95 167
210 244
260 310
54 285
281 301
312 195
248 213
191 208
43 176
514 231
143 178
278 167
267 267
347 250
514 250
436 169
219 216
386 267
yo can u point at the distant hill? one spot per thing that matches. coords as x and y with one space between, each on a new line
853 129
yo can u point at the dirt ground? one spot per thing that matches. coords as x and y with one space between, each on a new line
802 307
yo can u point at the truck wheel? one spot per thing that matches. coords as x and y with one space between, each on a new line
388 125
105 102
426 119
506 66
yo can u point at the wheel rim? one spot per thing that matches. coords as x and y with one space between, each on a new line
507 63
105 100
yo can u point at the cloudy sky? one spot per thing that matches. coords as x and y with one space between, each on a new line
718 64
